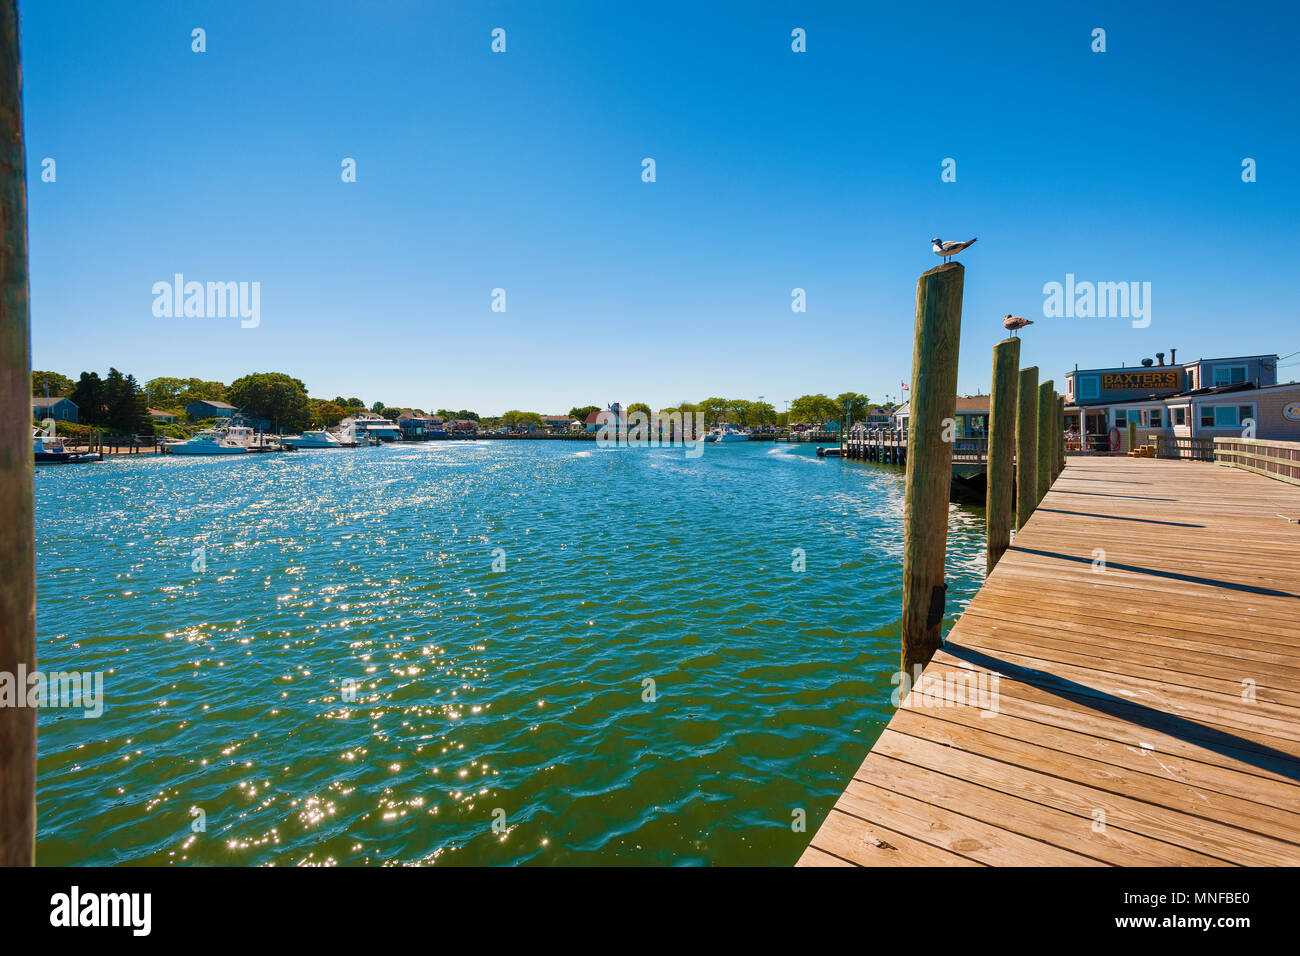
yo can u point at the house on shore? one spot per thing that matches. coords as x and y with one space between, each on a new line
971 416
209 408
59 409
162 418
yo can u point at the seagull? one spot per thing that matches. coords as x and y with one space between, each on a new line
1012 323
949 248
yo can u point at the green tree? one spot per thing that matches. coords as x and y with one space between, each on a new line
814 409
89 397
580 412
52 384
176 393
517 419
715 410
641 407
855 404
275 396
328 414
760 413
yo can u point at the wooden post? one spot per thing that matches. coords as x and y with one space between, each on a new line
1026 445
17 533
1132 434
1001 467
1046 447
1060 435
929 459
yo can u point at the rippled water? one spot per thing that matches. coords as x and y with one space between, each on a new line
516 697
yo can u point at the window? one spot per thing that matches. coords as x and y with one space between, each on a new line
1180 416
1229 375
1154 419
1088 387
1225 416
1121 418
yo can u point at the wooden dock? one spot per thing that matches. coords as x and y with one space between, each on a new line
1145 712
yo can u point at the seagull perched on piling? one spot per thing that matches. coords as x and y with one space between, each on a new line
949 249
1013 323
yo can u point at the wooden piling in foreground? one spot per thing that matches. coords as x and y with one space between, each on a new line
929 459
1046 447
1060 434
1001 467
17 541
1026 445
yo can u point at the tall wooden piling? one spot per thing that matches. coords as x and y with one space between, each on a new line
17 548
1060 434
929 459
1046 447
1001 467
1026 445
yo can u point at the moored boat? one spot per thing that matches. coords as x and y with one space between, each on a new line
50 450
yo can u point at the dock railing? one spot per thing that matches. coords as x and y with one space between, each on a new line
890 445
1273 459
1191 449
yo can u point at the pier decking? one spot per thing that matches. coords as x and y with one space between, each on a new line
1146 713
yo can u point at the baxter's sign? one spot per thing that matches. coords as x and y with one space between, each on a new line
1117 381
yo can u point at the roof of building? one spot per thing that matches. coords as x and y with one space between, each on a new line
215 403
45 401
1175 366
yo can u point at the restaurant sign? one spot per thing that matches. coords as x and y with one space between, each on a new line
1118 381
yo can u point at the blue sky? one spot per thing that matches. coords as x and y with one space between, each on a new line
775 170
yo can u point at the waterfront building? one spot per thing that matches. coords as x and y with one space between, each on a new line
208 408
971 416
59 409
1214 397
161 417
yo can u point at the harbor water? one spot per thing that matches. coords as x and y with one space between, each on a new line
467 652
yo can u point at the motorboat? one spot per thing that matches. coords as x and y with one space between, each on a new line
319 438
371 429
230 441
50 450
725 434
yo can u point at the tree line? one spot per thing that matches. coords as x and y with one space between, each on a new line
119 403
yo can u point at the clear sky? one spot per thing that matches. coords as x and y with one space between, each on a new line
775 170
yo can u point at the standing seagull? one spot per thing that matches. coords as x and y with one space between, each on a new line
949 248
1012 323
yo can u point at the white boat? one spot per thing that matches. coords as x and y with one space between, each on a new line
313 439
49 449
367 426
725 434
230 441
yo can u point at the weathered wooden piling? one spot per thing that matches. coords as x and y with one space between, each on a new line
1046 447
1026 445
1060 435
17 548
929 459
1001 467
